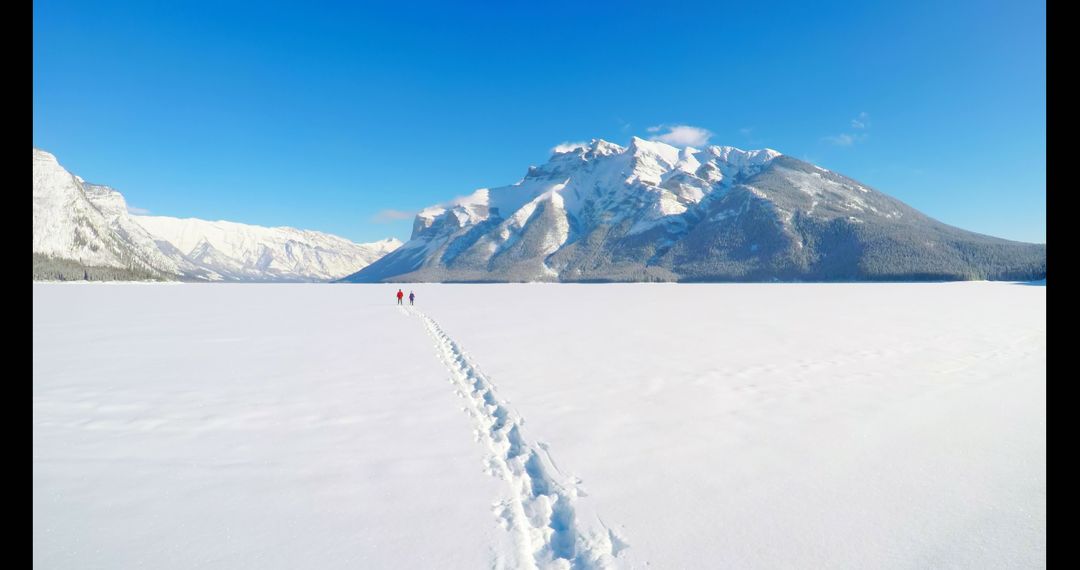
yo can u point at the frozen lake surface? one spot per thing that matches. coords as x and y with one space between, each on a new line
537 425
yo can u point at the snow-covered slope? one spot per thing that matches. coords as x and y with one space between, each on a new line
246 252
651 211
124 226
89 224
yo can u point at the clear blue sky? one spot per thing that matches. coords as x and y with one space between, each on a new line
325 115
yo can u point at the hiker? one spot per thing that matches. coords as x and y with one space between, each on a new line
399 296
412 297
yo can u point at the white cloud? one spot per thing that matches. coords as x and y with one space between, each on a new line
681 135
387 216
137 211
859 123
569 146
845 139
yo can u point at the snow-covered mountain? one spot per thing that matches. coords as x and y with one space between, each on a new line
650 211
69 225
82 228
242 252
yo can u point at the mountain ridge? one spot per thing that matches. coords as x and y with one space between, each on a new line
83 230
654 212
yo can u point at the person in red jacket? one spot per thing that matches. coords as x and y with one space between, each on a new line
399 296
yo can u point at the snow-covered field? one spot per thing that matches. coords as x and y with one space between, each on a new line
663 425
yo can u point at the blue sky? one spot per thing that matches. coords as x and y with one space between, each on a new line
343 117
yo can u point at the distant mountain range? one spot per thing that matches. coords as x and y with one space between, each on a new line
653 212
84 230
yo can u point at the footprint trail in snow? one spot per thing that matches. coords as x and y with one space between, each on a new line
541 507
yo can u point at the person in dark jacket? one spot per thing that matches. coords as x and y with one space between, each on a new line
412 297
